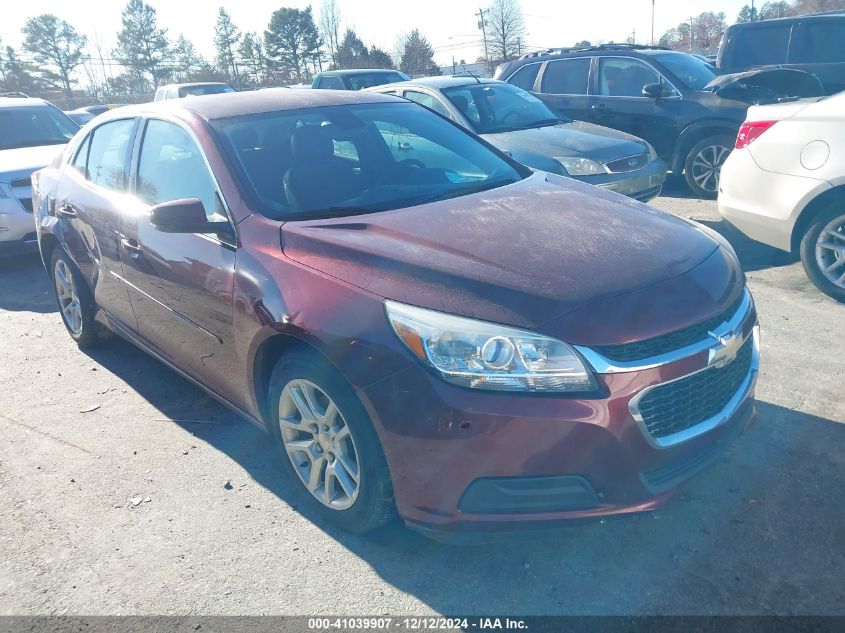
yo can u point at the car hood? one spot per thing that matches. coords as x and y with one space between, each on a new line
766 85
16 163
521 254
575 139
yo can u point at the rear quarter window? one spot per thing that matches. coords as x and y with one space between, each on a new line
525 77
760 46
820 42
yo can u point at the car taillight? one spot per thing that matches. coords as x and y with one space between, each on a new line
751 131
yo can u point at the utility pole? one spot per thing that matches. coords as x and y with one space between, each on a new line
753 12
690 34
483 27
634 36
652 22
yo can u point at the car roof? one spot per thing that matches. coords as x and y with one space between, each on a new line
232 104
604 49
829 15
195 83
439 82
12 102
355 71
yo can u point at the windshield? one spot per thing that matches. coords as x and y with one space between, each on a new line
352 159
493 108
359 81
693 72
31 126
196 91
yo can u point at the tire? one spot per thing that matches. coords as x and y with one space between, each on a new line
75 301
372 504
817 259
704 163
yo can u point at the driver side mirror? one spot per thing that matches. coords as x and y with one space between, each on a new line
654 91
186 216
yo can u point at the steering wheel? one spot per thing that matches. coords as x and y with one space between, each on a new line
402 165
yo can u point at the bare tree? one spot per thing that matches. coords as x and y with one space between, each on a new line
804 7
506 29
330 19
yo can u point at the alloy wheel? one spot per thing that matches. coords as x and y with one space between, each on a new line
319 444
707 165
830 251
69 303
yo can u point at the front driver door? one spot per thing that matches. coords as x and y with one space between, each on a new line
181 284
620 104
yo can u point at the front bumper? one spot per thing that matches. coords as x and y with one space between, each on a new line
17 228
642 184
468 462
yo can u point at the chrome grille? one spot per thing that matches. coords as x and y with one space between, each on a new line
682 404
630 163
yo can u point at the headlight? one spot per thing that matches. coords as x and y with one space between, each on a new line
581 166
484 355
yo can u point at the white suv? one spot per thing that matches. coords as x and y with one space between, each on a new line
784 184
32 133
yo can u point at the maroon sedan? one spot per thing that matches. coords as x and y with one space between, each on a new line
422 324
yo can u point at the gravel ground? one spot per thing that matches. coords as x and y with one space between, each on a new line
114 496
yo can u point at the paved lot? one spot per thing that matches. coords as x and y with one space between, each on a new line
80 434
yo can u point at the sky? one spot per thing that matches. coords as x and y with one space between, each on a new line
450 25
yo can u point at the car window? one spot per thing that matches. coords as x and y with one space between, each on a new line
820 43
525 76
172 167
762 45
197 91
360 81
566 77
31 126
375 156
500 107
108 152
80 161
428 101
330 83
625 77
691 71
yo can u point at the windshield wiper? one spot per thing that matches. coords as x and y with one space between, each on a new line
330 212
465 191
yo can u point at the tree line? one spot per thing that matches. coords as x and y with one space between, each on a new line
56 58
702 34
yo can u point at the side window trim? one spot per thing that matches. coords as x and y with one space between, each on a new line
140 133
127 160
538 82
677 94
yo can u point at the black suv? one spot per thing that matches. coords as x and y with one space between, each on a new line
815 43
673 100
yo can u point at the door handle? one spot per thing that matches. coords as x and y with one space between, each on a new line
131 246
66 210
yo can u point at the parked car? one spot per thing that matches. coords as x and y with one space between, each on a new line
356 79
523 127
814 43
463 340
178 91
32 132
81 116
673 100
784 185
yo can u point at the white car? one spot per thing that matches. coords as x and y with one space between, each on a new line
784 184
32 133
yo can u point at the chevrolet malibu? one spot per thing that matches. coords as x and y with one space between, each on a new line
471 344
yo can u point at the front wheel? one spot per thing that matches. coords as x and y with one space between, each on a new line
823 251
329 444
703 165
76 304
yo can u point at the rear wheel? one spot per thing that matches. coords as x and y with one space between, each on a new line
703 165
76 305
329 444
823 251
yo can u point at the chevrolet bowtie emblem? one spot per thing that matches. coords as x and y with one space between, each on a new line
729 344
